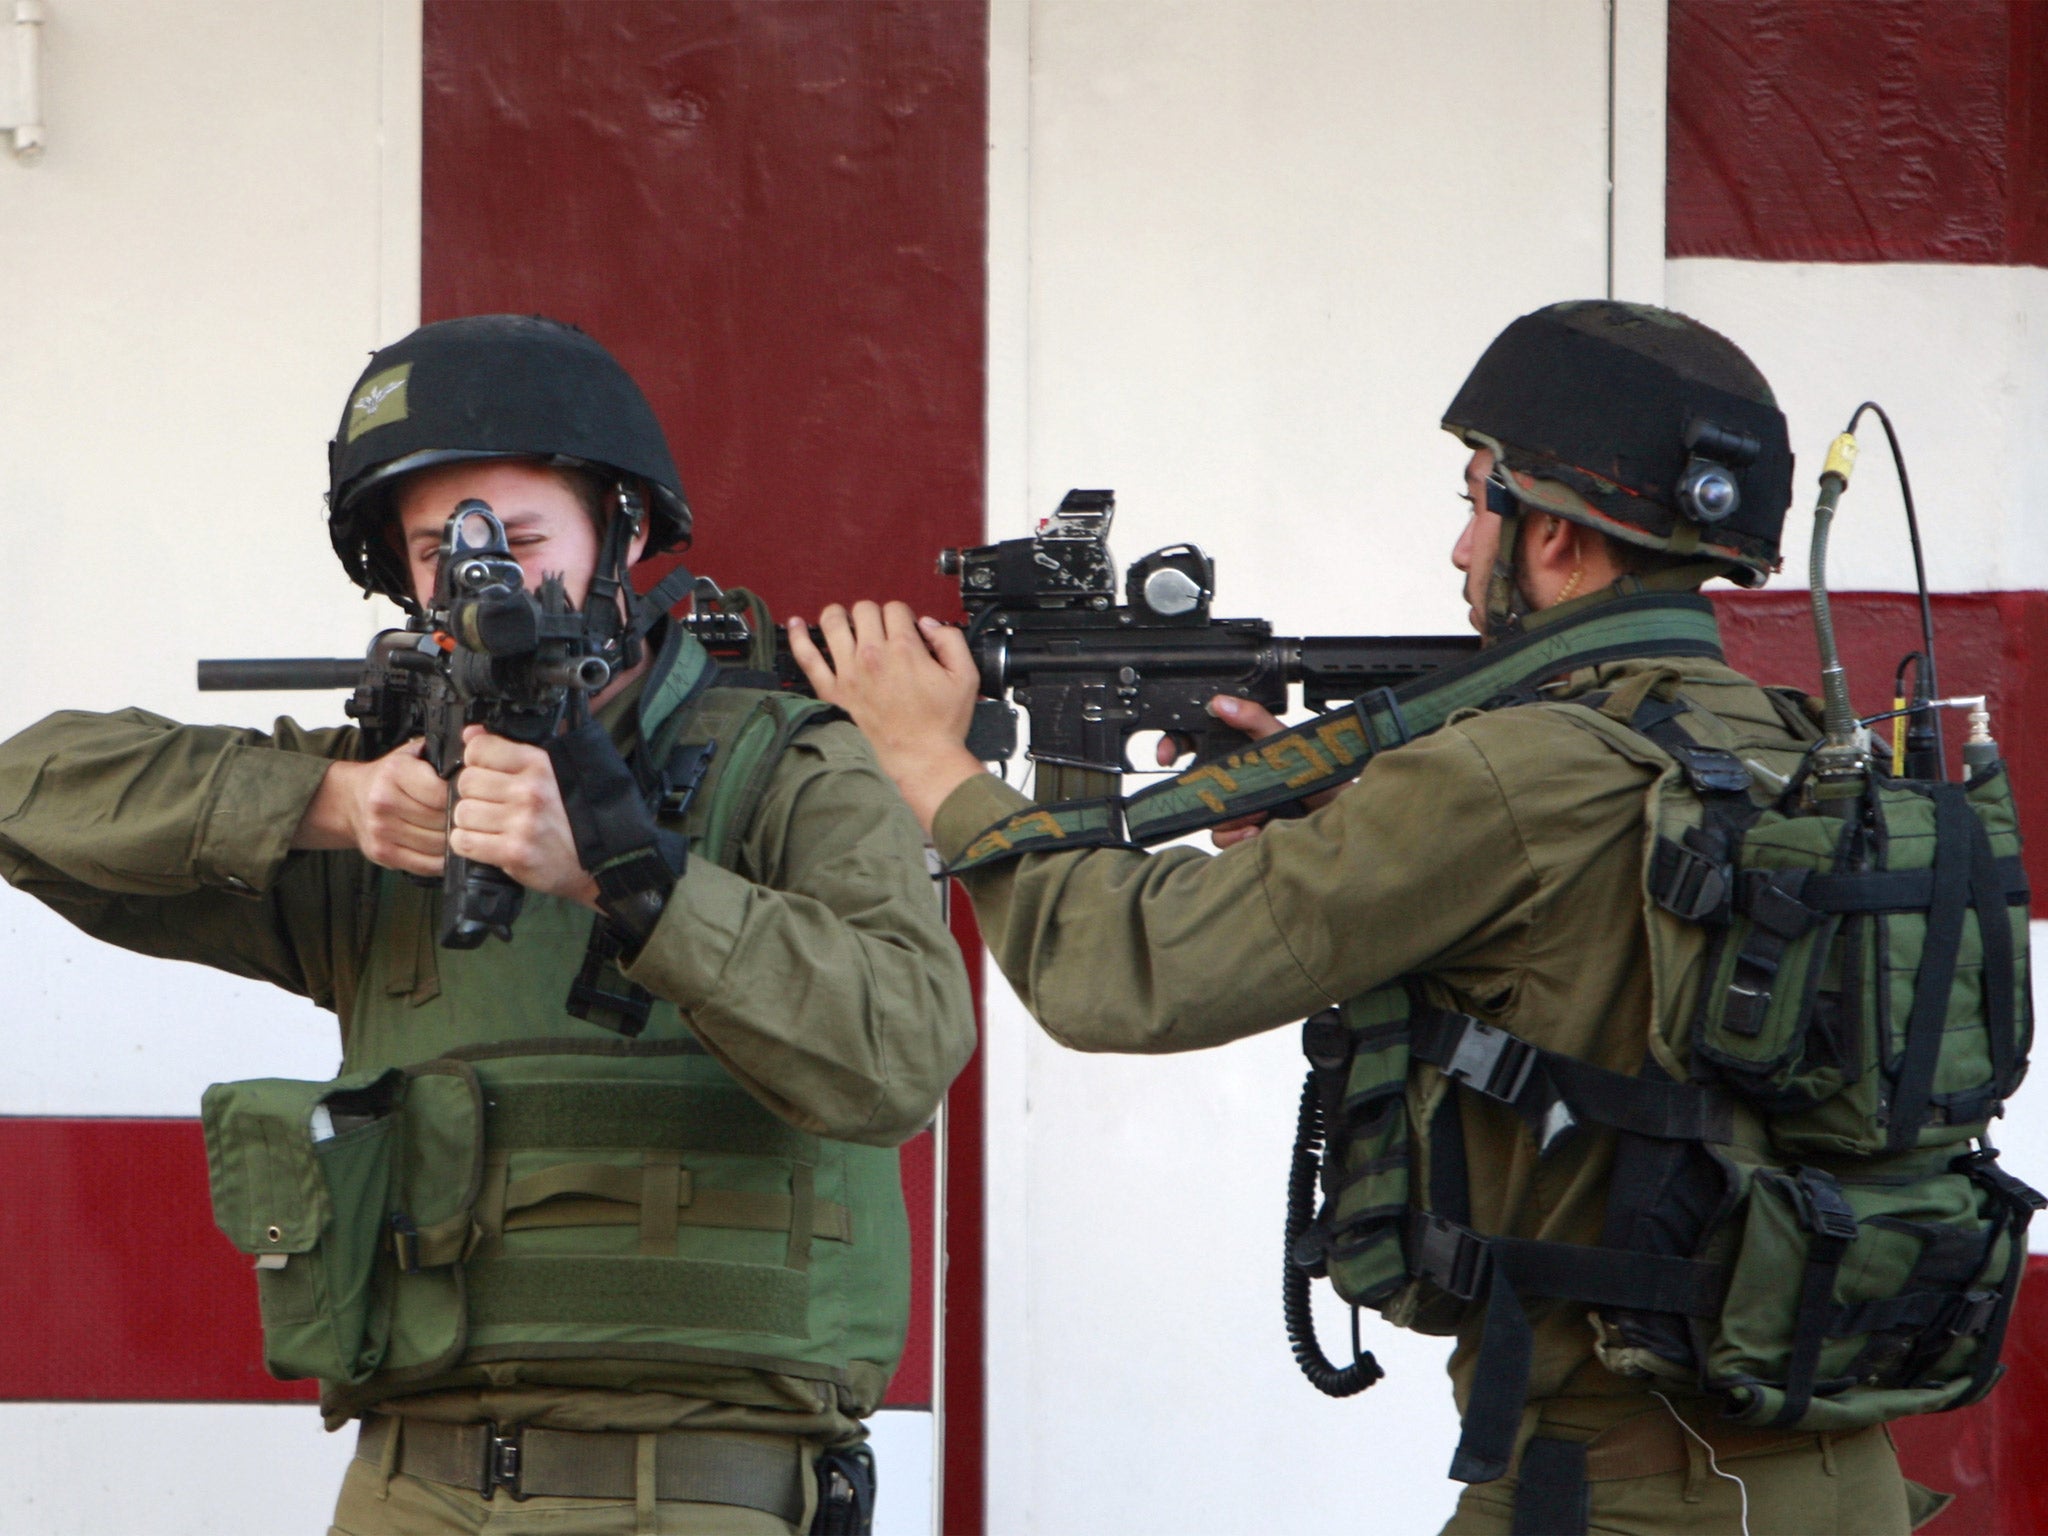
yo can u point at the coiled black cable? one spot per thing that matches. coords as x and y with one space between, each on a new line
1325 1376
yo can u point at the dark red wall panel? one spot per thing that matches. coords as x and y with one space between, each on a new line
1858 130
775 215
114 1282
1994 643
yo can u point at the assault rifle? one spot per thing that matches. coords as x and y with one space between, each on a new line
1044 625
487 652
1046 628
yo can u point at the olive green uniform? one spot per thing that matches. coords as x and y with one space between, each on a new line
818 972
1500 859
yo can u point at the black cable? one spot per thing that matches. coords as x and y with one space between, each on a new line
1927 676
1325 1376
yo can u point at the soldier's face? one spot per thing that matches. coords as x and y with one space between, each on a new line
1480 541
546 522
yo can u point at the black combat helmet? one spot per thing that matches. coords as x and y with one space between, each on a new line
1663 432
489 387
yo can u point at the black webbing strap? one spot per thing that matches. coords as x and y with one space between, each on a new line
1331 749
1905 890
1989 896
1534 1082
1551 1496
1510 1271
1831 1228
1954 826
2019 1201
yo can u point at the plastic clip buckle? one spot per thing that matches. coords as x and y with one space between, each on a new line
1686 883
1827 1213
1451 1257
501 1463
1969 1313
1491 1061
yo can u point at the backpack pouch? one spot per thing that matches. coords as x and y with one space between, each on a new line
1766 968
301 1177
1857 1300
1366 1174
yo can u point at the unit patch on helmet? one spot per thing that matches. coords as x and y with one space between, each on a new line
379 402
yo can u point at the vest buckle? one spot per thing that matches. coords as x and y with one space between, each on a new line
501 1462
1450 1257
1491 1061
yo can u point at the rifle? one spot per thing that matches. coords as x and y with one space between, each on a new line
1045 628
1043 623
486 652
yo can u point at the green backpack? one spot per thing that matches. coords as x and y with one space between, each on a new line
1812 1225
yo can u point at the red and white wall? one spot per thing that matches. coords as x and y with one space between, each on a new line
894 273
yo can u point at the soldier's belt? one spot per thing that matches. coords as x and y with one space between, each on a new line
1333 748
768 1473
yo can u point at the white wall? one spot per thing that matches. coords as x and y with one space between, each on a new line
225 222
1242 254
1958 355
224 225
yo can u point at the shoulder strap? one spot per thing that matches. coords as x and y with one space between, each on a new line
731 744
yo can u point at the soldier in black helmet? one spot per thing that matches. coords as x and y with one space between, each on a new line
1484 886
660 1277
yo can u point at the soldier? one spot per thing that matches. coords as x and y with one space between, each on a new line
1497 867
675 1277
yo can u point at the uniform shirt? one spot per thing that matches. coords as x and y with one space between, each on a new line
1500 859
829 985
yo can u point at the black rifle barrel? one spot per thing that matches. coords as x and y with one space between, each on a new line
280 672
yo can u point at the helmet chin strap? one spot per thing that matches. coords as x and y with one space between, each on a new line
1506 606
618 639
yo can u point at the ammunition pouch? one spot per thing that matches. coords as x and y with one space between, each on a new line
335 1188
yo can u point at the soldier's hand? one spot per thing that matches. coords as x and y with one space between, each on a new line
392 810
1255 720
909 684
508 812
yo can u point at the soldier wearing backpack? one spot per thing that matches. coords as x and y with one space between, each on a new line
635 1277
1656 1080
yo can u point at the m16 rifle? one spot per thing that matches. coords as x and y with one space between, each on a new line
486 652
1046 629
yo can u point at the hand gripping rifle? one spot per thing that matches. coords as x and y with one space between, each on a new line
487 652
1046 628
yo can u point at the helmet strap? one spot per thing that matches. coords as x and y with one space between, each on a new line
617 639
1506 606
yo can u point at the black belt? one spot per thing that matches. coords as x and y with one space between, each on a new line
690 1466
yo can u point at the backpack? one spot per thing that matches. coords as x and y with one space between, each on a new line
1811 1224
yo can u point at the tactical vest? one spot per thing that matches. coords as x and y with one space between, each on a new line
1806 1219
495 1180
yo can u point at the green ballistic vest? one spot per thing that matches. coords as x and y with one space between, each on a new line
631 1200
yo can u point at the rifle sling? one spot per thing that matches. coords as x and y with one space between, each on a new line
1331 749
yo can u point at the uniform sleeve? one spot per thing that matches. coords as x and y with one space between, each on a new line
175 840
1415 865
829 983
